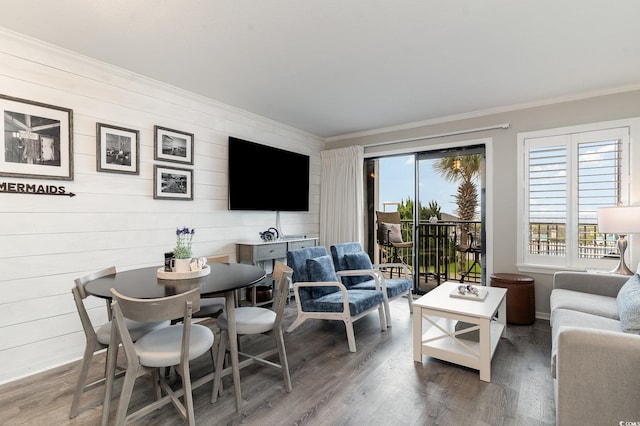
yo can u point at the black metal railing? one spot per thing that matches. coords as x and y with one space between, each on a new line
447 251
451 250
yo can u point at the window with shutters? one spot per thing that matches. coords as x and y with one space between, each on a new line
565 175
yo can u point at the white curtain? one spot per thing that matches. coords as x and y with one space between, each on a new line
341 196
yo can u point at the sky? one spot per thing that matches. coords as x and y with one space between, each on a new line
397 183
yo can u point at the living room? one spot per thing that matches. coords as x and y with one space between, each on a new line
113 219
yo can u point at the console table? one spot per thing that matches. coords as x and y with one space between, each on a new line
265 253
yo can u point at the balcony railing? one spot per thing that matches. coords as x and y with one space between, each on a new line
447 251
451 250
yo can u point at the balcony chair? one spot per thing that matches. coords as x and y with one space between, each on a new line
97 338
471 247
174 345
389 234
258 320
353 266
319 293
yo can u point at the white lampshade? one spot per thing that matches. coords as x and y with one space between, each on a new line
619 220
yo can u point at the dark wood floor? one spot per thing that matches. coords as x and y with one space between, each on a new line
378 385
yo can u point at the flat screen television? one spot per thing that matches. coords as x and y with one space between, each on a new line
262 177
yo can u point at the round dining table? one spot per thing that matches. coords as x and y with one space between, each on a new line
224 279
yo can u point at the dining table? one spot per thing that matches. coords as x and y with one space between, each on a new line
223 279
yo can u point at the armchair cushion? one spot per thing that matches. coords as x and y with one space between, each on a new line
358 260
628 300
391 232
321 269
395 286
359 301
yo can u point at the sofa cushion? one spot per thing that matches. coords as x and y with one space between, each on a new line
629 305
568 317
321 269
359 260
589 303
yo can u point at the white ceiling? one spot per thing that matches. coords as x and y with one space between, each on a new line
333 67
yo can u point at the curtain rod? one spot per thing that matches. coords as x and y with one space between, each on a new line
440 135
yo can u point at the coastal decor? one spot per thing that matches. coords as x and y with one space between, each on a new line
172 145
37 140
117 149
172 184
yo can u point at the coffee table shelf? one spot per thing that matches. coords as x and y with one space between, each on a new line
438 344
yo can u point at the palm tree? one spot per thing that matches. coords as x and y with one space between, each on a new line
464 169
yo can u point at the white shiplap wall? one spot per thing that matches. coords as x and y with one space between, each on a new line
47 241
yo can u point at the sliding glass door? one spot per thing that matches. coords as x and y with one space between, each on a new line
440 196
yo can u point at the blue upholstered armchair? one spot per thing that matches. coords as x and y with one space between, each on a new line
319 294
353 266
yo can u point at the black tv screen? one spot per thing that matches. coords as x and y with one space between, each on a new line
262 177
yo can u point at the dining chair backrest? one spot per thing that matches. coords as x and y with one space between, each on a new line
180 305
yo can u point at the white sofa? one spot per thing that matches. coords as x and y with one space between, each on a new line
595 364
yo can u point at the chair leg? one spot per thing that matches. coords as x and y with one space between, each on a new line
299 320
410 300
351 338
125 395
282 353
217 376
387 312
188 396
82 379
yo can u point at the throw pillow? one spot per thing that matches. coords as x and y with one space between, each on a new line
628 300
321 269
359 260
391 232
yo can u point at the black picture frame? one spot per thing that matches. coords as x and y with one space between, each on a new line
117 149
171 183
172 145
37 139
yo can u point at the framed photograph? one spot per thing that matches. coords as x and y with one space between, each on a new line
37 140
172 184
118 149
172 145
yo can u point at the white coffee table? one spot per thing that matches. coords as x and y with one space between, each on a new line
442 341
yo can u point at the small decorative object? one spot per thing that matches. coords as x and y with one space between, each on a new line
172 184
117 149
172 145
270 234
433 219
470 292
183 243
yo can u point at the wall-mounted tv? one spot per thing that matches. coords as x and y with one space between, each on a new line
262 177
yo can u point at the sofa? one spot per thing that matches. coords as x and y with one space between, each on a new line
595 350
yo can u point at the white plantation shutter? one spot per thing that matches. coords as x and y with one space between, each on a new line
566 177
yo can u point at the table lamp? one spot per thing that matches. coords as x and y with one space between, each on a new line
621 220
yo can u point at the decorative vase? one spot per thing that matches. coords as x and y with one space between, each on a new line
181 265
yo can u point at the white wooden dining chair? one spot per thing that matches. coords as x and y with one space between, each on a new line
258 320
97 338
175 345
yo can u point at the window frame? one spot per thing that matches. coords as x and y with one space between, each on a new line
630 193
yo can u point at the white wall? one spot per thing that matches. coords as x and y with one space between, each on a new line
47 241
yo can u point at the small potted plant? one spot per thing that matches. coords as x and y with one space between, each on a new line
182 252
